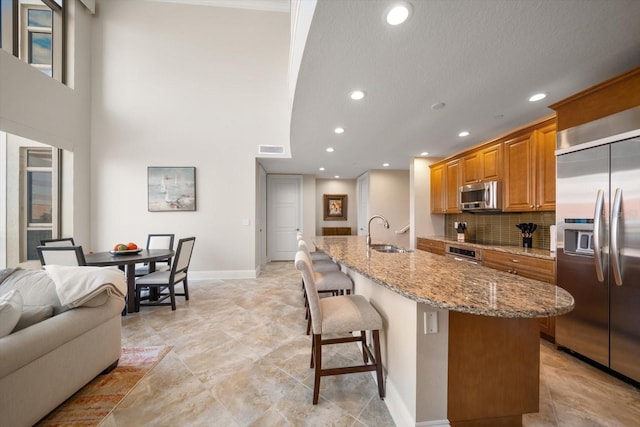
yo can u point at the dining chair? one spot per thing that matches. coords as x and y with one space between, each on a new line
157 241
65 241
166 280
340 316
61 255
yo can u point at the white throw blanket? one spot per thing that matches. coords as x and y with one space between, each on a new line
77 285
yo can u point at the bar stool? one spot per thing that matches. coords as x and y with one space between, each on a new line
342 314
314 255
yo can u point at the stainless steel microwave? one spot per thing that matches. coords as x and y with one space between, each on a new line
480 197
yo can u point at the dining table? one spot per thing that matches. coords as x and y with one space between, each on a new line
128 260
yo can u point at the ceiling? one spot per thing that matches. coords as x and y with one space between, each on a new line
481 58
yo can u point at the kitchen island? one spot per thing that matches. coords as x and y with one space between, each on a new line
460 343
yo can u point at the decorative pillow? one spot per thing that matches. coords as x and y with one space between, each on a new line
32 314
10 311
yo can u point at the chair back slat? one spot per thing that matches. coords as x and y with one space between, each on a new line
303 264
183 254
66 241
61 255
160 241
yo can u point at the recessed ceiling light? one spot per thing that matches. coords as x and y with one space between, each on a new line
424 153
357 95
398 13
336 176
386 165
321 169
438 106
538 97
463 133
330 150
339 130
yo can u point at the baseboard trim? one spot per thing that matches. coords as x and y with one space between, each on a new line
398 410
434 423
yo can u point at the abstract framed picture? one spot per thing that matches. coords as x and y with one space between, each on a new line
335 207
171 189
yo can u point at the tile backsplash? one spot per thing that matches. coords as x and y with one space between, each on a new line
500 228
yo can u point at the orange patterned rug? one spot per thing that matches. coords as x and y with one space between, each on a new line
96 400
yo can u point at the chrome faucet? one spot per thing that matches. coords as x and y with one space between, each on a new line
386 225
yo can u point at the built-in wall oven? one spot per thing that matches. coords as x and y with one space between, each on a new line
462 252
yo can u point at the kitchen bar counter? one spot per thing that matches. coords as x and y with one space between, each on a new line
449 284
516 250
460 342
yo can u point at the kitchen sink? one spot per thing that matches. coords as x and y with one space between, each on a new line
388 248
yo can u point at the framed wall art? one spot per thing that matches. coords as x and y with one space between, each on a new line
335 207
171 189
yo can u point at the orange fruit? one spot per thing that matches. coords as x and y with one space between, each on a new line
131 246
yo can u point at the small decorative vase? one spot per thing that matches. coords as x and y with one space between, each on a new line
527 242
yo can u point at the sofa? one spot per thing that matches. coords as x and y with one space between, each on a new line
57 346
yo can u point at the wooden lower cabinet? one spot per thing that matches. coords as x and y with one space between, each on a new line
429 245
527 266
493 366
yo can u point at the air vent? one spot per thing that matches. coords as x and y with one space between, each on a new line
271 149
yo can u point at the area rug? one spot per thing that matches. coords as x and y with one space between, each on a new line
95 401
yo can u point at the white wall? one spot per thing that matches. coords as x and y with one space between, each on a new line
389 197
423 223
186 85
39 108
337 186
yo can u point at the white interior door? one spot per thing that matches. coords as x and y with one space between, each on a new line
262 230
284 215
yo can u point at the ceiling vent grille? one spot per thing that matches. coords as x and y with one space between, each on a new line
271 149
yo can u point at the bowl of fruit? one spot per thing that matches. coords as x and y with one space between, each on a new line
125 249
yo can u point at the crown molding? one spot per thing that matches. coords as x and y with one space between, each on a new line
266 5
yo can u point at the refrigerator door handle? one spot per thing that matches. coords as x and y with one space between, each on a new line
597 250
615 221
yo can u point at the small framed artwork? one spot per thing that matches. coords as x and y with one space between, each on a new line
335 207
171 189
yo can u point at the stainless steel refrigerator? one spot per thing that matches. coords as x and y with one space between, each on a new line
598 235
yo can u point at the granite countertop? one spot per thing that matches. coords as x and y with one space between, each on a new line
449 284
517 250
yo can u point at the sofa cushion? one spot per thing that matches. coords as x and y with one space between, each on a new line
36 288
32 314
10 311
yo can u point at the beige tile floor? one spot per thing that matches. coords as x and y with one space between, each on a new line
240 358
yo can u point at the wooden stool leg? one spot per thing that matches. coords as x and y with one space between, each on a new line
318 370
376 344
363 340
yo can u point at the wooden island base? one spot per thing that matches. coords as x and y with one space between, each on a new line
494 370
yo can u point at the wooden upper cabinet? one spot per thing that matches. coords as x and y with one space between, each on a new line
518 174
445 183
437 189
545 146
481 165
452 185
491 163
530 171
470 168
